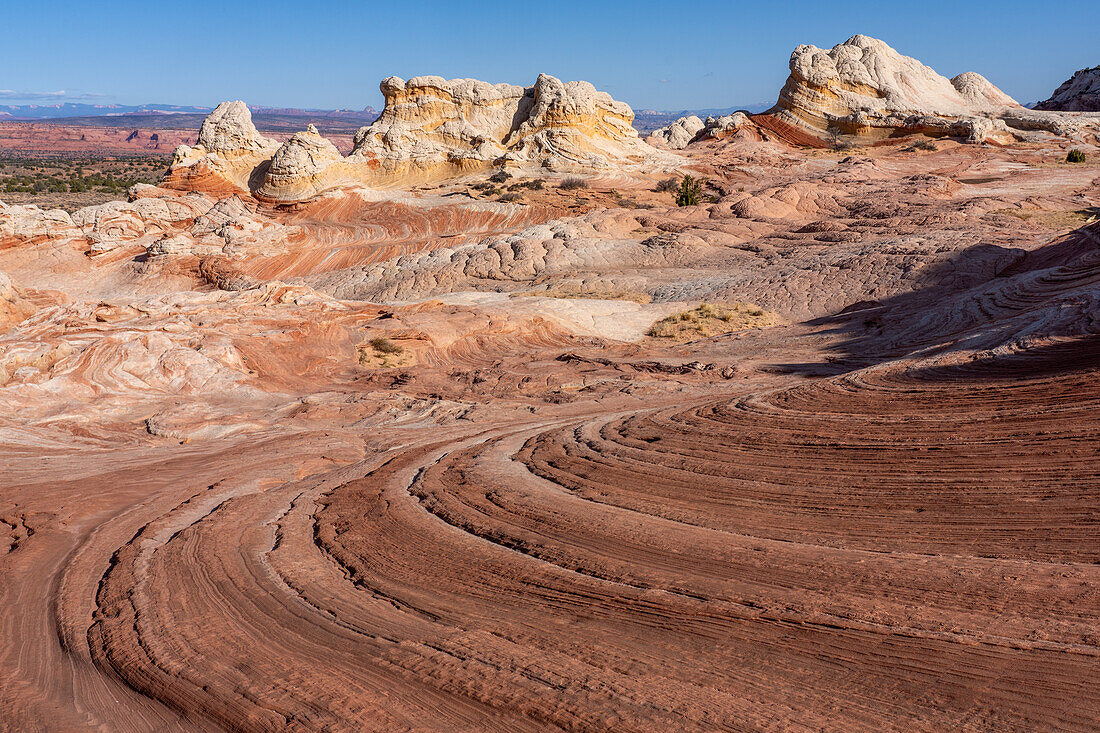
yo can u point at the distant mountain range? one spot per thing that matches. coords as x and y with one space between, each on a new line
709 111
70 109
280 119
648 120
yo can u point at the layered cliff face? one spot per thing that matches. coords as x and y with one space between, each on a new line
230 152
1079 93
430 128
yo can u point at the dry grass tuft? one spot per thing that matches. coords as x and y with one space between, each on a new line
635 296
1052 219
713 319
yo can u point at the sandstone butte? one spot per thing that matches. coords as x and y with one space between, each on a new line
430 128
865 89
402 456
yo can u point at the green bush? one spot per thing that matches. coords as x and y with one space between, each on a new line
691 191
1076 156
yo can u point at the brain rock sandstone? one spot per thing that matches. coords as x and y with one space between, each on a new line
864 87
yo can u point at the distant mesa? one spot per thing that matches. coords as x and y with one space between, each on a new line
1079 93
430 129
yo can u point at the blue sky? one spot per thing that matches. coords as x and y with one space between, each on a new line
664 55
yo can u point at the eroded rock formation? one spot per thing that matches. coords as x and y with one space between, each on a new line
687 130
864 87
230 152
430 128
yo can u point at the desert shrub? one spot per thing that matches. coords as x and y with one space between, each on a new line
572 183
509 197
1076 156
536 184
691 191
383 345
922 145
668 185
500 176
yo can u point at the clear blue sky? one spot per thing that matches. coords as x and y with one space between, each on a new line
664 55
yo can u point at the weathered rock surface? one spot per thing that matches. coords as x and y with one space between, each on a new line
27 222
430 128
1079 93
13 308
864 87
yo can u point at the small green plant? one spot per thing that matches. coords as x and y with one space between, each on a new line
1076 156
383 345
691 191
572 183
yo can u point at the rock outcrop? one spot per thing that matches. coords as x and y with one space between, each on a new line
1079 93
678 134
229 154
687 130
304 166
27 223
863 87
430 128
